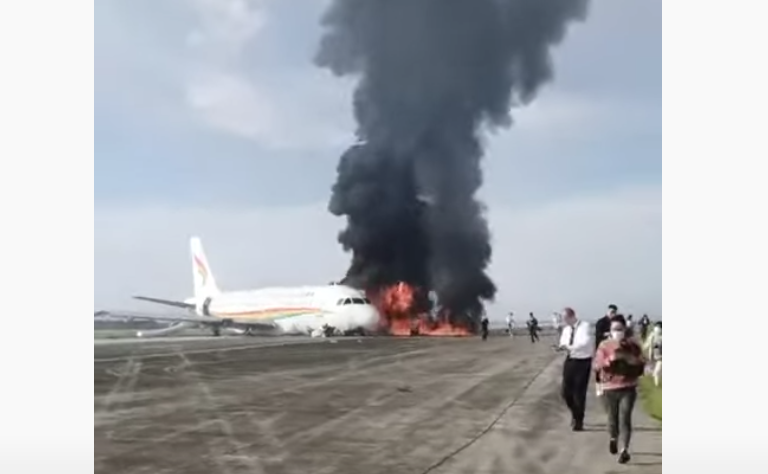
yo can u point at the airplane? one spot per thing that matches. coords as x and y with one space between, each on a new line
317 311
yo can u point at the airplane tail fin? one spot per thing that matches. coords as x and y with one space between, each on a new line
205 283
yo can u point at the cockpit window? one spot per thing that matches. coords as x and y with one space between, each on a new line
355 301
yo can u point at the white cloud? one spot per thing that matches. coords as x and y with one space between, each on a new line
581 251
231 103
553 111
225 27
217 90
196 62
305 114
207 67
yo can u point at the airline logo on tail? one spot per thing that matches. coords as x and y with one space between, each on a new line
202 271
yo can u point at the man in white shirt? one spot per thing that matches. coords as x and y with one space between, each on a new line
557 324
511 324
577 340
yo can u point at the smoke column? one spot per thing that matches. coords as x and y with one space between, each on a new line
432 74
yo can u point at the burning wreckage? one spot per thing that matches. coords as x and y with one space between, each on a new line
432 77
407 311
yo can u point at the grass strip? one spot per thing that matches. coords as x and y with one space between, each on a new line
651 397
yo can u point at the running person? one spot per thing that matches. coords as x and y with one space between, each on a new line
653 348
484 324
645 325
602 332
533 328
630 326
620 363
511 324
557 324
576 340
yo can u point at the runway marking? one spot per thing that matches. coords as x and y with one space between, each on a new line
162 439
126 382
200 351
253 464
472 441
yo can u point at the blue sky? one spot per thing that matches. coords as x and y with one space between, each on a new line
212 120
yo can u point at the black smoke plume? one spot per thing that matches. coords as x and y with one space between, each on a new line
432 74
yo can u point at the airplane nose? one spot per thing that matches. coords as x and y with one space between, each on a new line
374 317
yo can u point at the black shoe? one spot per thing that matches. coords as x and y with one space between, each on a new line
624 457
578 426
613 447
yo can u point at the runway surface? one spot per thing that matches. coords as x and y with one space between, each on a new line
285 406
117 350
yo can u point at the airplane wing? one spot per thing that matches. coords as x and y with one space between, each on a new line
176 304
186 318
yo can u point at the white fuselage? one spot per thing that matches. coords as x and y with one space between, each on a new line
290 310
296 310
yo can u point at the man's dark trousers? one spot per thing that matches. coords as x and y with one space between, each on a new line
576 375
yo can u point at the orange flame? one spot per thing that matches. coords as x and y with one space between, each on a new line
400 318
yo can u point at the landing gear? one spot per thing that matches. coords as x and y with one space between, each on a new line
226 323
359 332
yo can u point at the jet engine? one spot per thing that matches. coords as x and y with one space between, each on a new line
235 331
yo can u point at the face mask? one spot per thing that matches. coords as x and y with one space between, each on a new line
617 335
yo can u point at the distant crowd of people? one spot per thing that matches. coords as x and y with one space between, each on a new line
615 354
532 325
645 327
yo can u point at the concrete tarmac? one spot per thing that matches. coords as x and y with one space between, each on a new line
352 406
117 350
